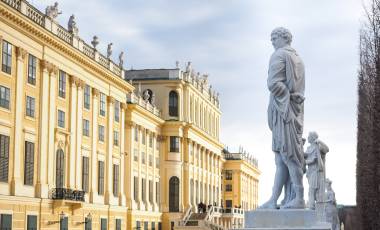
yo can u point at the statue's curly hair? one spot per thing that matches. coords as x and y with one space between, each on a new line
284 33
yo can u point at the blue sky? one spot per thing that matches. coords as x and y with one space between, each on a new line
230 41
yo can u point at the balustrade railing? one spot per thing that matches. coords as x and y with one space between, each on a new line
13 3
63 34
67 194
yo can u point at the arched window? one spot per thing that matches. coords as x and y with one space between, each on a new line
174 194
60 169
173 104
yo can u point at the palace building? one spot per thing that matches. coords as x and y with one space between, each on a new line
86 144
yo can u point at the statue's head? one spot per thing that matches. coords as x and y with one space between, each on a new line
313 136
281 37
56 4
328 183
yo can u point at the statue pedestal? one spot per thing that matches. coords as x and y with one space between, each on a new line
287 219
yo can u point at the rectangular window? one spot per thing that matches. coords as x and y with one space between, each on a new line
146 223
159 226
103 224
142 158
174 144
228 174
85 173
157 162
101 133
153 226
31 223
116 138
102 110
135 188
135 154
150 160
228 187
150 140
6 222
88 223
62 84
136 134
118 224
7 58
32 67
151 191
157 192
4 97
61 119
157 144
143 135
87 95
86 128
143 189
4 158
64 223
100 177
116 180
228 203
30 106
29 163
117 111
138 225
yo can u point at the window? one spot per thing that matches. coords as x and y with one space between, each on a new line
136 134
150 160
64 223
29 163
102 110
174 194
138 225
6 222
174 144
142 158
60 169
228 187
31 223
100 177
4 97
191 190
62 84
101 133
32 64
85 173
103 224
7 57
150 140
151 191
116 138
118 224
117 111
153 227
228 203
135 155
157 192
87 223
4 158
135 188
61 119
146 223
143 189
86 127
30 105
228 174
159 226
173 104
87 95
157 162
116 180
143 135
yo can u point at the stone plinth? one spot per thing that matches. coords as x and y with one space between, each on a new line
289 219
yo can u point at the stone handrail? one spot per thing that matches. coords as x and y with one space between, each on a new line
186 217
136 99
51 25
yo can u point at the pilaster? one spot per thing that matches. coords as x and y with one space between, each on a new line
123 165
79 129
108 196
72 173
94 198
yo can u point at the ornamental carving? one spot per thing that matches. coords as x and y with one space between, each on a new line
20 53
95 92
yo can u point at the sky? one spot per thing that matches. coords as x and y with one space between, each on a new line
230 41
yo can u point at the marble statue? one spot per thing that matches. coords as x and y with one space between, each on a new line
286 83
52 11
72 25
109 50
153 100
95 41
315 168
146 96
177 64
121 59
331 210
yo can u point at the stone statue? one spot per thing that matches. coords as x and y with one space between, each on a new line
177 64
109 50
331 210
315 168
286 83
146 96
153 99
72 25
121 59
52 11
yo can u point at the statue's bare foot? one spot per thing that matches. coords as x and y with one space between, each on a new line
294 204
270 204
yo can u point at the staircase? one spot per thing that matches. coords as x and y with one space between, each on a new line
196 221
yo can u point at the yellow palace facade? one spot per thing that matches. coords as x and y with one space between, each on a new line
85 144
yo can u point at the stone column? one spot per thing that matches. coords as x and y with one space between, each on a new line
123 165
154 204
94 136
16 181
79 130
71 173
108 194
41 185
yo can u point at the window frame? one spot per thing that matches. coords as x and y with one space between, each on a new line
61 119
62 84
174 144
87 97
6 63
5 97
30 106
32 69
29 163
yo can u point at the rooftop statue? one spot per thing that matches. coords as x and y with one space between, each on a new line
109 50
286 83
52 11
121 59
72 25
331 210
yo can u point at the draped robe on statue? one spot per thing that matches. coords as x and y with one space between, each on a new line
285 111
